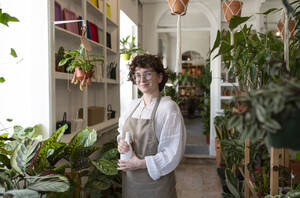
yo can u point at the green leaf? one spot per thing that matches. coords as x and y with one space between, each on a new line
91 139
260 112
2 80
110 154
99 185
270 10
5 161
50 183
9 120
23 154
217 41
13 53
63 61
234 121
24 193
236 21
252 72
106 167
5 18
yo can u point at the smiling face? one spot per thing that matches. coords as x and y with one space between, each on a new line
147 80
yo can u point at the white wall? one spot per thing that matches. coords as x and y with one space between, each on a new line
130 7
195 41
25 96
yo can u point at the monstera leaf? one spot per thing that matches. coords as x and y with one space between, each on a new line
24 154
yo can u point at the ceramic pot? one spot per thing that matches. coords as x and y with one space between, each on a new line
232 8
126 57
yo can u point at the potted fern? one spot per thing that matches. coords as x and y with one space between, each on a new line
81 64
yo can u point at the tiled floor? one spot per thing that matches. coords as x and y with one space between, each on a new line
197 178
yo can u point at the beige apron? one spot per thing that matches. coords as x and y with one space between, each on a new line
138 183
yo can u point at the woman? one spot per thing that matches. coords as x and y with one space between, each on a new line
157 132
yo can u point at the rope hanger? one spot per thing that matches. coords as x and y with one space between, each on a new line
178 66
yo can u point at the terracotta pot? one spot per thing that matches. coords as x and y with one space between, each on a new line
295 169
89 75
79 74
207 139
178 7
218 152
280 26
232 8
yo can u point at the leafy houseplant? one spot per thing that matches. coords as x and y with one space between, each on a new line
81 64
128 48
272 113
254 58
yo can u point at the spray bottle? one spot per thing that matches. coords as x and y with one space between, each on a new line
127 155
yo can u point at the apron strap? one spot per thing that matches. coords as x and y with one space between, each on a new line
155 108
153 111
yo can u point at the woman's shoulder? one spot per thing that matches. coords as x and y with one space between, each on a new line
168 105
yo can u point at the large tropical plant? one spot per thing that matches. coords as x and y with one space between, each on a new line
252 57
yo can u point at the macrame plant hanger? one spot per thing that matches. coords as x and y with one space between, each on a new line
178 66
83 39
228 8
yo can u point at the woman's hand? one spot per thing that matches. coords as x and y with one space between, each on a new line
133 163
123 147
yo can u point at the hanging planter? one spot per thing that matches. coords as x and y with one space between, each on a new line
178 6
280 26
232 8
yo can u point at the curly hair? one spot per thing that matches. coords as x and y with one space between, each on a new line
148 61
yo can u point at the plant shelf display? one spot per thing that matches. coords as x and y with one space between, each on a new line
99 94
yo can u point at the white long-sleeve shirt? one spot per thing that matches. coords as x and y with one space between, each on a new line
170 132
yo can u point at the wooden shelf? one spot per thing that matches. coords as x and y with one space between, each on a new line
105 124
97 127
227 84
66 32
94 43
63 76
111 51
112 81
102 91
111 25
93 9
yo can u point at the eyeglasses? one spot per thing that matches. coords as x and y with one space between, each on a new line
147 75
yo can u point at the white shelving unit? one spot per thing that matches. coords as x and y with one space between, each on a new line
103 91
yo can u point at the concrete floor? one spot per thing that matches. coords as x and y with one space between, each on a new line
197 178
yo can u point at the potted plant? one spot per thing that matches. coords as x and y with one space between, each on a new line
178 7
231 8
272 113
81 64
128 48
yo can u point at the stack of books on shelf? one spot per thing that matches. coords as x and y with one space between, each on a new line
93 31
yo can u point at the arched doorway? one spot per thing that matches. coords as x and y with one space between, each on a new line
196 37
